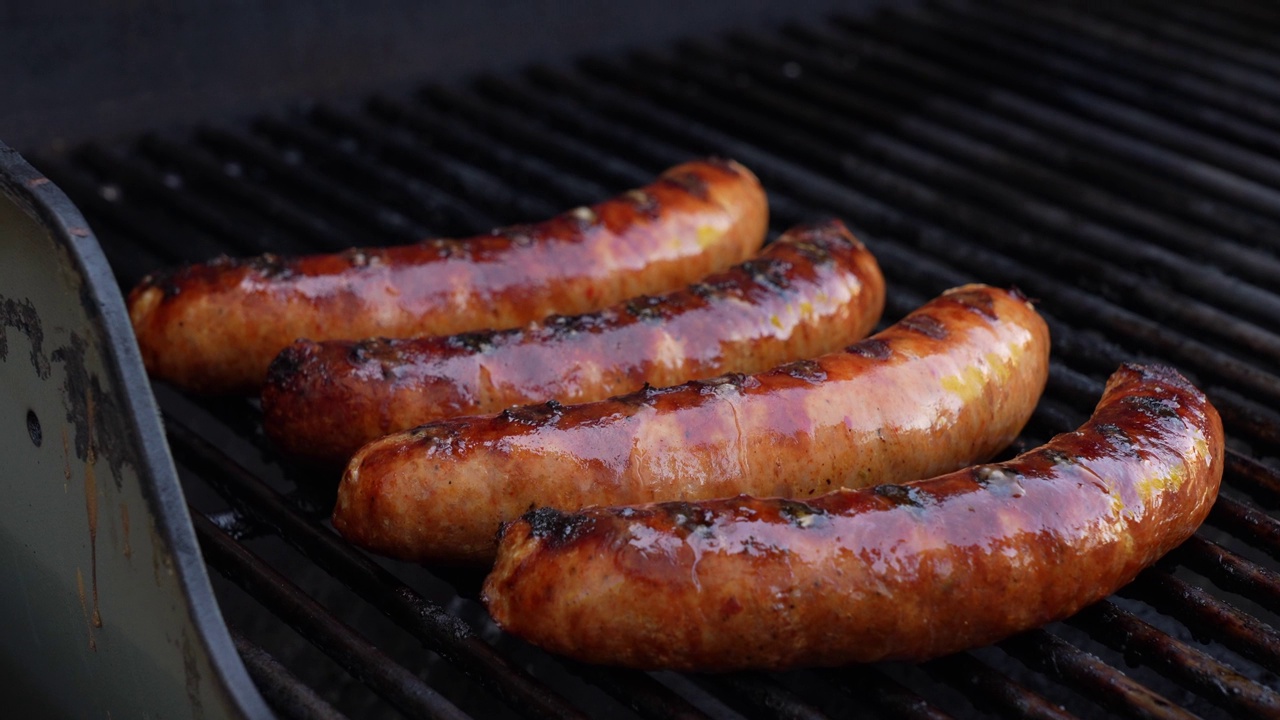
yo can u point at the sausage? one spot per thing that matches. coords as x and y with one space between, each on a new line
215 327
950 384
891 572
814 290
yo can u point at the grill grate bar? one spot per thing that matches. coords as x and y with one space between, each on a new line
992 690
241 237
1179 59
1142 643
759 697
1230 571
441 632
428 204
518 169
1243 129
1207 617
485 189
1168 29
886 694
1090 676
1118 117
832 64
1248 523
994 98
282 689
241 189
289 168
314 622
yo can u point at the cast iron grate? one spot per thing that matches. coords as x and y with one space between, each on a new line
1120 162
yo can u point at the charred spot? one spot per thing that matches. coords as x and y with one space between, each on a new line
556 527
533 415
1152 406
1115 434
644 203
799 514
1057 457
690 516
1016 293
710 290
569 324
287 363
976 301
999 479
648 308
270 266
926 325
473 342
442 438
690 182
808 370
1163 374
519 235
818 249
770 272
900 495
360 353
871 348
731 381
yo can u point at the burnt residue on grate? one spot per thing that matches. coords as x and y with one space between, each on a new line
1118 162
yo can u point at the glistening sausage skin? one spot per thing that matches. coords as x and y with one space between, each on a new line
950 384
215 327
906 572
813 291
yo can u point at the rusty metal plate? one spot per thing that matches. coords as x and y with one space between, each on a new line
107 604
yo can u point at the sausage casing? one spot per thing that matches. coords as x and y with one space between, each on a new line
814 290
215 327
950 384
905 572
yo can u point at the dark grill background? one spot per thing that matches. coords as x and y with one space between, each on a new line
1119 162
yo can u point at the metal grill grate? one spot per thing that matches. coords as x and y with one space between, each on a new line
1120 162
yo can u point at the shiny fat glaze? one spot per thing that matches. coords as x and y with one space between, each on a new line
950 384
215 327
905 572
812 291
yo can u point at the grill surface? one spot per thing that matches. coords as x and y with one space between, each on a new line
1119 162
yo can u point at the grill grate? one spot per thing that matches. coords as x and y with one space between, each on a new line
1121 162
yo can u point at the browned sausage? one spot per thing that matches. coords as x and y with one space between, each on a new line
905 572
951 383
813 291
215 327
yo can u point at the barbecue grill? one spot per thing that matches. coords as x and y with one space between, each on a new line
1119 162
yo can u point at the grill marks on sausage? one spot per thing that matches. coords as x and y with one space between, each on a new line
926 325
975 301
691 183
872 348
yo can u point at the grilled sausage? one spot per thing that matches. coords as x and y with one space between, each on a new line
906 572
814 290
214 328
950 384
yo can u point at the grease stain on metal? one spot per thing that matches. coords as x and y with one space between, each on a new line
21 315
